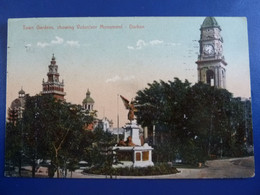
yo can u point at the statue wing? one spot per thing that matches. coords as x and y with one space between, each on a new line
125 101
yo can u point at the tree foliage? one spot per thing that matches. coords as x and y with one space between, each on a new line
193 122
52 129
55 130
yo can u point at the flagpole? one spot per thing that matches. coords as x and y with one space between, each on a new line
117 120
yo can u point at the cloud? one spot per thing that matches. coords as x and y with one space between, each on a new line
130 47
156 42
172 44
72 43
28 47
58 41
42 45
140 44
118 78
128 78
113 79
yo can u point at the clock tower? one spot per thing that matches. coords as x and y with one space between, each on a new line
211 62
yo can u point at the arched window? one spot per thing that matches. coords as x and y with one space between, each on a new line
210 77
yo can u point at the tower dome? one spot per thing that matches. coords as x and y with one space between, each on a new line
88 99
88 102
21 92
17 106
210 22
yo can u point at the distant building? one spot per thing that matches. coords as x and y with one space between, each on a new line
104 124
88 105
88 102
107 125
17 107
53 86
211 62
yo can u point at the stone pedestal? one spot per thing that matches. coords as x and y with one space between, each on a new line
131 129
143 156
133 156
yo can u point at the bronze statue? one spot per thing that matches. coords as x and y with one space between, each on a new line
129 106
128 142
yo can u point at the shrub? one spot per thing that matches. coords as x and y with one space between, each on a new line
159 169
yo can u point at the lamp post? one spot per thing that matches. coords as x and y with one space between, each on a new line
221 149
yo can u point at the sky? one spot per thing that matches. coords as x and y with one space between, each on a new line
117 55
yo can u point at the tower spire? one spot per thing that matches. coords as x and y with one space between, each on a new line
53 86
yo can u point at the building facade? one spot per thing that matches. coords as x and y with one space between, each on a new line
88 102
53 86
211 62
15 111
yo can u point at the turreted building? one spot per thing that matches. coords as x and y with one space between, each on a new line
17 107
53 86
211 62
88 102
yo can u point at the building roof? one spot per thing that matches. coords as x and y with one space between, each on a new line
210 22
17 103
21 91
88 99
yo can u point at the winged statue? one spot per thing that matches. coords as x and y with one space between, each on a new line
129 106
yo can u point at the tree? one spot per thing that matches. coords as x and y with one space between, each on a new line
63 132
209 116
164 105
195 122
53 129
102 143
13 145
34 143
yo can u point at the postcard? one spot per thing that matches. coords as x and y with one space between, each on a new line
128 97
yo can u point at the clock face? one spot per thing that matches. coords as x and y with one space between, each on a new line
208 49
209 31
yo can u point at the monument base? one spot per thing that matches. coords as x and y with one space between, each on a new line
132 129
133 156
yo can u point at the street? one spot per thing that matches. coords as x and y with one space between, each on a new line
224 168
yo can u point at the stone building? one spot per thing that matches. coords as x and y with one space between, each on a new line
211 62
88 102
15 111
53 86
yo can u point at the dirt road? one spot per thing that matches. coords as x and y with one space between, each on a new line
224 168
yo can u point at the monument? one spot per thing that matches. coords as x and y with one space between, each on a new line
132 151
